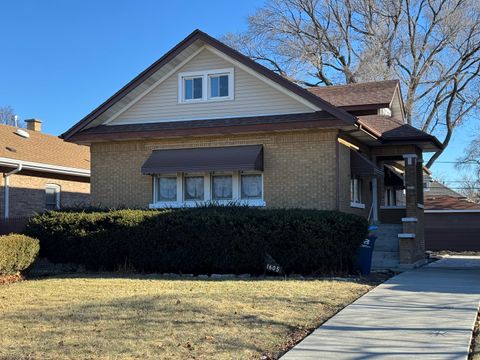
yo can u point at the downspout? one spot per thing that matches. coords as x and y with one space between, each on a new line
6 200
337 182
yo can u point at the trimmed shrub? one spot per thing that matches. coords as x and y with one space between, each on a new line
17 253
202 240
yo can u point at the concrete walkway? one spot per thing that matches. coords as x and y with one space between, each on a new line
426 313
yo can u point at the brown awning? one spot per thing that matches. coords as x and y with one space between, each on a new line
228 158
362 166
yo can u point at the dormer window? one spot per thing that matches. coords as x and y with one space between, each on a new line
209 85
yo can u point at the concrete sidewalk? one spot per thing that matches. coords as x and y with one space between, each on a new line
426 313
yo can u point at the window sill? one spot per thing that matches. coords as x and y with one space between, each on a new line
208 100
385 207
192 204
357 205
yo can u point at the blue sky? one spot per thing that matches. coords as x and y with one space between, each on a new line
61 59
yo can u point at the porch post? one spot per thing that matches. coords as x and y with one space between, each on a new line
411 240
375 199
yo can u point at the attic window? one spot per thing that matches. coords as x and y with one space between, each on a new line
209 85
192 88
218 86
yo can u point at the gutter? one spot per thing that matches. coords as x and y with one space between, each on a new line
56 169
6 198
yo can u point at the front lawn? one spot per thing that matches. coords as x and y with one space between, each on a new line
113 317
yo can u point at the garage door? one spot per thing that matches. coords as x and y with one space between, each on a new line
454 231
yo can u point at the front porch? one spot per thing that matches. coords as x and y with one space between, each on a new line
396 206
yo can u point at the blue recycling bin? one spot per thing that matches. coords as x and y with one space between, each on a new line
364 253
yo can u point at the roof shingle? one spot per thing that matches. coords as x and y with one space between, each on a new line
42 148
371 93
449 203
437 189
391 129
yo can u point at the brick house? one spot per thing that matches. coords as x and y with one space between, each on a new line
205 123
40 172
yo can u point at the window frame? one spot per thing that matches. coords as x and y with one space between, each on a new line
157 188
185 176
214 174
356 193
207 192
209 86
184 93
206 75
391 193
57 191
249 173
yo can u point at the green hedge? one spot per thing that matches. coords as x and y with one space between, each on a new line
17 253
202 240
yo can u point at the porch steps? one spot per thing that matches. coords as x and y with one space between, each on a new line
386 251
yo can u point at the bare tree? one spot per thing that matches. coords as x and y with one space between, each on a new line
7 115
432 46
470 164
470 161
471 188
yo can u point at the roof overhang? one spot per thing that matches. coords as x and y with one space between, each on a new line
212 127
373 138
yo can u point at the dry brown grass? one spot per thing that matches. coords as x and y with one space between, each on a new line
141 317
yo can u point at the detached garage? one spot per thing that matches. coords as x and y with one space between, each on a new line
451 223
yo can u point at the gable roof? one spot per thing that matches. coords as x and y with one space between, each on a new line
42 149
377 94
445 202
438 189
195 36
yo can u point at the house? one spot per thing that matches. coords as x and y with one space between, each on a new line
40 172
206 123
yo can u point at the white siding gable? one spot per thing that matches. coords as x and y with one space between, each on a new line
252 96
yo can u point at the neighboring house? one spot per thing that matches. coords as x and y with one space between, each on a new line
206 123
40 172
452 222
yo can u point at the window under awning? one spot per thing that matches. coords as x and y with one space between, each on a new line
228 158
360 165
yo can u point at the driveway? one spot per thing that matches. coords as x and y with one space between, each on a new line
427 313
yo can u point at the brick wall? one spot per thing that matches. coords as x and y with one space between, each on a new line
27 194
344 185
299 168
